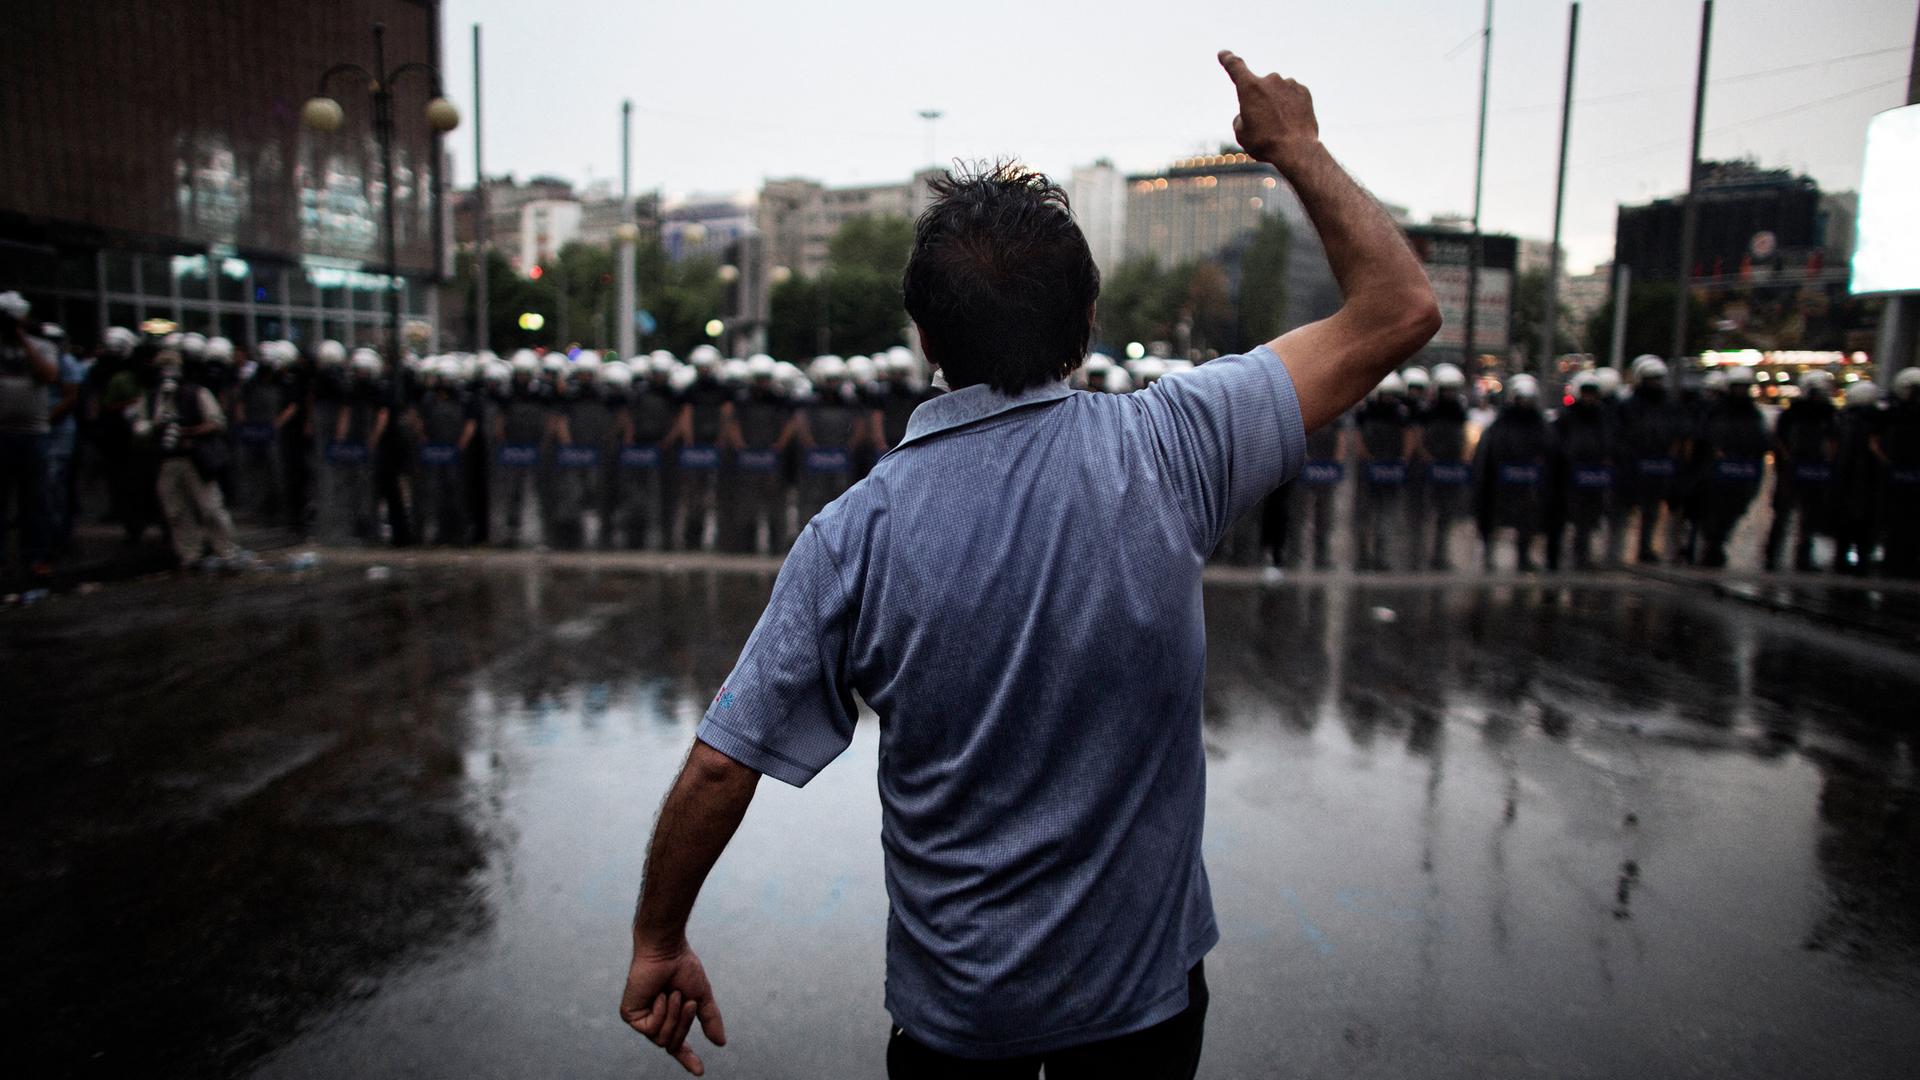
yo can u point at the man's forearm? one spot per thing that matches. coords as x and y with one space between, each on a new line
1369 255
695 824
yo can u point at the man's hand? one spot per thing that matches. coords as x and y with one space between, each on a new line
1276 122
666 990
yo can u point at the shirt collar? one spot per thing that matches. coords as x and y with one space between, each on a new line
971 404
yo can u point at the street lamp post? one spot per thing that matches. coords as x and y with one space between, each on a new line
323 113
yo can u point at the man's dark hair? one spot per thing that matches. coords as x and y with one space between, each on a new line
1000 280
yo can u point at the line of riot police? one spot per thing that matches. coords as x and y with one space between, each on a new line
564 451
578 451
1667 472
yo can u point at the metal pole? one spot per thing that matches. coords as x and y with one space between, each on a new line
1690 213
481 224
1551 323
1622 286
623 313
1479 172
383 131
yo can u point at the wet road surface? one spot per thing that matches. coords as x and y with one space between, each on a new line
317 825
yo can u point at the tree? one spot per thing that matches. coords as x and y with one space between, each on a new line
1263 283
1141 302
1649 321
854 304
1529 301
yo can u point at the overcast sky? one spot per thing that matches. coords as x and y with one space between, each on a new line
728 93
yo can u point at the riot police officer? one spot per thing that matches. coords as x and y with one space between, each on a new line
1653 434
1731 452
1583 471
1510 473
1897 445
646 475
1443 455
1859 479
1385 442
757 514
706 410
445 420
1805 438
520 428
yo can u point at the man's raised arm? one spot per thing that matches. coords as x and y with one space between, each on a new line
1388 312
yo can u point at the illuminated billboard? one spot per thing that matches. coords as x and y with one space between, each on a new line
1886 253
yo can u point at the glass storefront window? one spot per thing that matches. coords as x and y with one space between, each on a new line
76 270
233 280
123 315
120 272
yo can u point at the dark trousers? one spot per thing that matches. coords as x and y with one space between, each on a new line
1169 1050
23 486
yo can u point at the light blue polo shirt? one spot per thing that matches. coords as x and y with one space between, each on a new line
1015 590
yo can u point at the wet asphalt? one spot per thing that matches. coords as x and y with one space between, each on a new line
293 825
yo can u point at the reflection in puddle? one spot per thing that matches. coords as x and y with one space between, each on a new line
339 828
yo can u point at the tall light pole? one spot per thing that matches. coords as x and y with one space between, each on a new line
482 225
932 117
626 233
1690 212
1479 171
323 113
1551 324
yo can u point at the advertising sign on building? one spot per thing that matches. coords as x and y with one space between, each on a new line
1493 304
1445 255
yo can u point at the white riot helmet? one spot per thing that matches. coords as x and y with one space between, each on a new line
1906 383
554 366
496 374
1391 386
587 364
330 353
1648 366
827 369
1118 381
1448 377
616 376
13 305
366 362
218 350
1609 380
1416 378
734 372
706 359
861 369
193 346
524 362
1584 381
1820 384
1523 388
661 364
119 341
1863 393
761 366
1097 364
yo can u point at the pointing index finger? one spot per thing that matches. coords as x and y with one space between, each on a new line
1236 68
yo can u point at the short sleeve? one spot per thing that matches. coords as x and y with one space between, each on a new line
1226 434
787 710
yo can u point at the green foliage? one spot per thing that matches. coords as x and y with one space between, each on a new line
1649 321
1263 283
879 244
854 305
1140 302
1529 301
